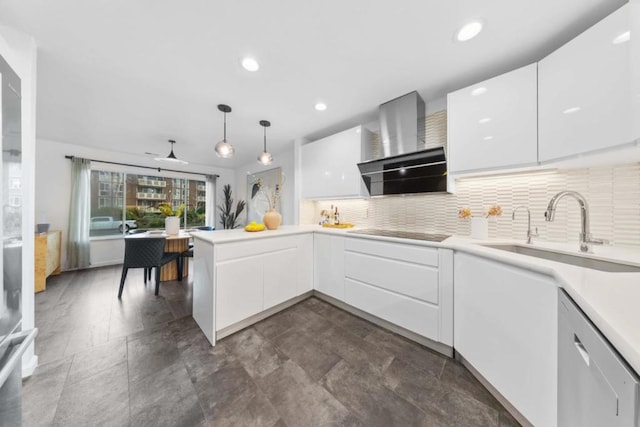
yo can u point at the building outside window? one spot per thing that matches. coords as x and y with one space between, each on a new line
137 198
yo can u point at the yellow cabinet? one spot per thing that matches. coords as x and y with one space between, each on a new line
48 248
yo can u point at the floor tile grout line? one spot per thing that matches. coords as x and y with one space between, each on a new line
66 380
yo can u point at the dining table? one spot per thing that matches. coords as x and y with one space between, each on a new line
174 243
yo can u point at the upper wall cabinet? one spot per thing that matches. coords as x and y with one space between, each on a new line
493 124
584 91
329 165
634 16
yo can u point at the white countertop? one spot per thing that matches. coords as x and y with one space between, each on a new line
610 300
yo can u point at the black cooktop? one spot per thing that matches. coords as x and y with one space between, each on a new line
431 237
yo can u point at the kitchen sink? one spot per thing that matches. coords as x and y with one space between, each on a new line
595 264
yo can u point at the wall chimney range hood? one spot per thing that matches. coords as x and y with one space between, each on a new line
401 163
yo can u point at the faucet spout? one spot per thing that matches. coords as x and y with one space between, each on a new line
585 234
530 233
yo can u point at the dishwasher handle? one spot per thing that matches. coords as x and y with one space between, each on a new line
581 349
22 341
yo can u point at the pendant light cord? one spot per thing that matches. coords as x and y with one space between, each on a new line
225 126
265 139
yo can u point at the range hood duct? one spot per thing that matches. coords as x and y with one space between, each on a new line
400 163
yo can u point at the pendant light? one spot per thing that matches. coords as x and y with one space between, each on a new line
171 157
223 148
265 158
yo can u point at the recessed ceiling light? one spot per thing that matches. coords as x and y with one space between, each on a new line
250 64
571 110
469 31
478 91
622 38
488 138
485 120
321 106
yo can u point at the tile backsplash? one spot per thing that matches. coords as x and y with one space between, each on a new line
613 194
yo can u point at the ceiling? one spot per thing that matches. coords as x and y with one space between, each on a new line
129 75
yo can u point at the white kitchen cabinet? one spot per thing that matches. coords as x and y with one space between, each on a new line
505 326
493 124
239 283
305 263
328 253
585 92
240 290
329 165
408 285
634 20
279 284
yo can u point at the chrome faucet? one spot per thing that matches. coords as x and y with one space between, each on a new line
530 234
586 239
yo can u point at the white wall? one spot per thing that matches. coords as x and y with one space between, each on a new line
288 199
53 189
19 51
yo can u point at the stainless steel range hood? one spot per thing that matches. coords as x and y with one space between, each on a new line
400 163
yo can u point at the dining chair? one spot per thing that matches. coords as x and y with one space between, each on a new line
147 253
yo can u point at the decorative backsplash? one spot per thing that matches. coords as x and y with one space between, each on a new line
613 194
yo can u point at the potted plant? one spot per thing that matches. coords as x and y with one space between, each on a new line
172 218
228 217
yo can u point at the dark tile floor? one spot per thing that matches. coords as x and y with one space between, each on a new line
142 361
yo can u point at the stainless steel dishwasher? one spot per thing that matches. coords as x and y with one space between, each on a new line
596 387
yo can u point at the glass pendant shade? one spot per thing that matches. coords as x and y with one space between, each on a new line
265 158
223 148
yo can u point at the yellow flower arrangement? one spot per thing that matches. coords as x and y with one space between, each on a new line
166 210
465 212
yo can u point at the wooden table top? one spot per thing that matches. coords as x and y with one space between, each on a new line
181 235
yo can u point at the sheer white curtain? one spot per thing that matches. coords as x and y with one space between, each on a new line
210 195
78 255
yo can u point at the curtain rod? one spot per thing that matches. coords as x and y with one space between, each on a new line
145 167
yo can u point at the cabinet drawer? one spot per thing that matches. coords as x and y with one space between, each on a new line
409 253
228 251
408 313
413 280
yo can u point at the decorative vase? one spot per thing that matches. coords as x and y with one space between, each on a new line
479 228
272 219
172 225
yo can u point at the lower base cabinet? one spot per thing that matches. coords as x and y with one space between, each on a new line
251 277
410 286
506 328
328 259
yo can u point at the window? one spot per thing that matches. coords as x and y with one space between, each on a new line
105 189
115 195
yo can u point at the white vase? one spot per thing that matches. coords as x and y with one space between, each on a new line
479 228
172 225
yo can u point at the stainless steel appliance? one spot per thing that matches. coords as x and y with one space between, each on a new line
400 162
13 341
596 387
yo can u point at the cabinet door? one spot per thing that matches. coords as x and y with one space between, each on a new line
584 91
505 326
493 124
328 255
634 18
239 290
305 263
329 165
280 276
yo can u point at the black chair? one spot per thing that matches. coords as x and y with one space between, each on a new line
147 253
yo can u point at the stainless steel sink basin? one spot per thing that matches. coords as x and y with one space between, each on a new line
596 264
